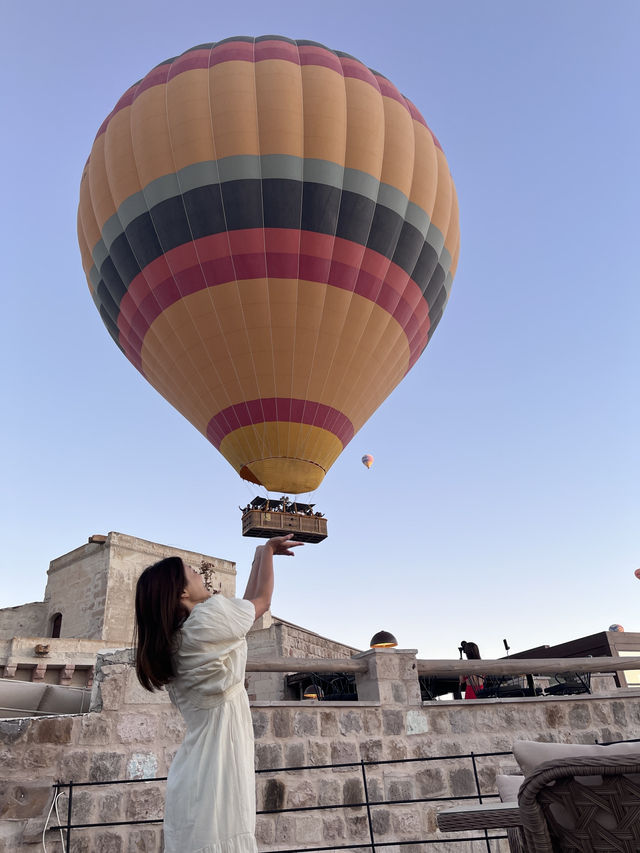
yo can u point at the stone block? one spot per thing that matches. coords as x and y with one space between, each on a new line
343 752
440 721
23 801
268 755
143 841
294 755
106 766
375 787
396 748
12 731
406 823
371 750
53 730
329 723
39 757
309 829
285 829
357 827
555 715
352 791
399 789
281 722
108 842
110 805
417 722
431 782
74 765
330 792
9 758
399 692
463 723
142 765
265 830
95 729
301 794
305 723
579 716
145 803
381 821
318 752
260 724
393 722
137 728
462 782
349 723
109 690
619 713
371 721
134 693
333 828
272 795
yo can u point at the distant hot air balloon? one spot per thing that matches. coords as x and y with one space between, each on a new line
270 232
367 460
617 628
637 573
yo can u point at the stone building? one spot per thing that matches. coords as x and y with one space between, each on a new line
88 607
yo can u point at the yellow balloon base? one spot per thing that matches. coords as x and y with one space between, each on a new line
288 476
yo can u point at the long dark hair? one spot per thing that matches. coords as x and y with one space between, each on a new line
159 615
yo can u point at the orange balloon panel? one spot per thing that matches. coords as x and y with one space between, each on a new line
269 230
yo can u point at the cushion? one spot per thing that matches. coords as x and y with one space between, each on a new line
530 754
508 787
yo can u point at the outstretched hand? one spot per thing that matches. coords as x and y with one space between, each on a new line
280 545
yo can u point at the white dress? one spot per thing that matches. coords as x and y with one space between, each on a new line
210 803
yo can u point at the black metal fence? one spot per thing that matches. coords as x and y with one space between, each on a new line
71 825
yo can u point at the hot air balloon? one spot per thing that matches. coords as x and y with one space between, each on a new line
616 628
637 573
269 231
367 460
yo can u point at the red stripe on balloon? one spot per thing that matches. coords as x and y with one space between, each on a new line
211 260
271 409
276 49
311 54
248 52
352 68
189 61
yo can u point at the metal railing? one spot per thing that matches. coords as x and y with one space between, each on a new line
367 803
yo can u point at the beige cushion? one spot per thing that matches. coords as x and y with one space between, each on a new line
508 787
530 754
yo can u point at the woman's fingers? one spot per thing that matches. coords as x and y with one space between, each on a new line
281 545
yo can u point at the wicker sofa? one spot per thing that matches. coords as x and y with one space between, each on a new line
576 804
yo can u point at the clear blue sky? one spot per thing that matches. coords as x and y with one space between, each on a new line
504 497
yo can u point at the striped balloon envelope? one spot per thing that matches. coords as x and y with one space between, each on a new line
269 230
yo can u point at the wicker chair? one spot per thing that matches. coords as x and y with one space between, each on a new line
560 814
556 813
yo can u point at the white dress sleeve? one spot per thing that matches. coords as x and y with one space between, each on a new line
219 620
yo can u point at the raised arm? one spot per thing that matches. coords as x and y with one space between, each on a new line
260 584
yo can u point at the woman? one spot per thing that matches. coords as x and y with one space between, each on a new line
471 683
194 642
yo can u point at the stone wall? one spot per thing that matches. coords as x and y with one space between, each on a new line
134 735
77 588
272 638
26 620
